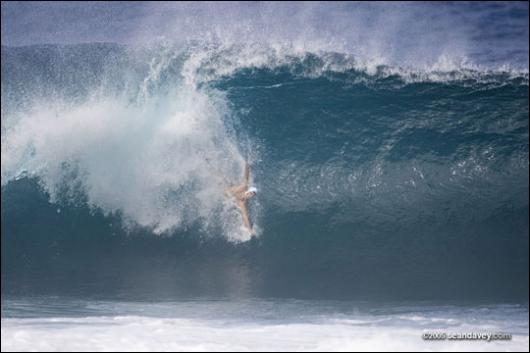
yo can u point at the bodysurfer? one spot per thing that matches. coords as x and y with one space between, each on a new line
242 193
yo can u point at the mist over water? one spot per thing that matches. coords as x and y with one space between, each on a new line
382 33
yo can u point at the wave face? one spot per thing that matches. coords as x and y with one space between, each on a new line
378 180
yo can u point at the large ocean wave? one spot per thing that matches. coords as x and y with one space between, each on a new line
373 176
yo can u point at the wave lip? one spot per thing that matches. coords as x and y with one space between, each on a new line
223 61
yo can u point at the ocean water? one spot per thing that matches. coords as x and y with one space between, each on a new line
61 324
389 144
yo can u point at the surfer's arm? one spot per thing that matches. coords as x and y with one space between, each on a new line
247 175
243 186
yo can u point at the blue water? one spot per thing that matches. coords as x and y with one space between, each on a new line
389 144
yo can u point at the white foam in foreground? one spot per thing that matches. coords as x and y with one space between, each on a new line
133 333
